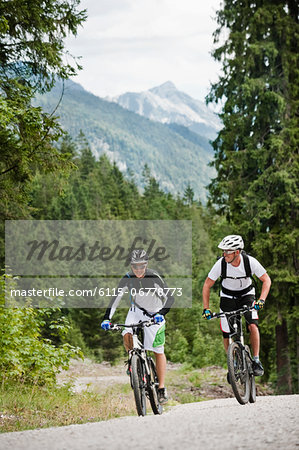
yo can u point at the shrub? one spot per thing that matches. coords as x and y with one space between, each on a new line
24 353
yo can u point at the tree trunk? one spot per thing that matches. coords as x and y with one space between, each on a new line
284 378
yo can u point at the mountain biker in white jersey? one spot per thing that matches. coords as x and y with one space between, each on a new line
148 299
237 290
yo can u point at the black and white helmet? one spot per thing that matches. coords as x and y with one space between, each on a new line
231 242
139 256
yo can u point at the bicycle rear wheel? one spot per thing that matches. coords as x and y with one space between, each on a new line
153 384
252 387
138 384
238 374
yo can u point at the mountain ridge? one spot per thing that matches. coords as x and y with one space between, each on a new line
167 104
132 140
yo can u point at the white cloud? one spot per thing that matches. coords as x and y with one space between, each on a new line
132 45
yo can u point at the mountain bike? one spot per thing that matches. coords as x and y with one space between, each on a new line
143 373
239 360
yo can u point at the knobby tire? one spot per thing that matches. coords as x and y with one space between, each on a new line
252 394
252 386
239 376
153 388
138 384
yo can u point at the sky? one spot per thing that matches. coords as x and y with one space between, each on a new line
134 45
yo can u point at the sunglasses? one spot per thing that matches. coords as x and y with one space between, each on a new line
228 252
139 266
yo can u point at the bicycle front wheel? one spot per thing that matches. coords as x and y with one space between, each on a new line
252 395
152 387
138 384
238 373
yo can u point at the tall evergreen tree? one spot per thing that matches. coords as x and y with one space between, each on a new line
32 55
256 152
189 195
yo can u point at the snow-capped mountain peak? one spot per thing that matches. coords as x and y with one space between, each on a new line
163 89
166 104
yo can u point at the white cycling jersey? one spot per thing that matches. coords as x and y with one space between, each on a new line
151 333
236 272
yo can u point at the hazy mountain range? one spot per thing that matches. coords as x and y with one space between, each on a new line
174 153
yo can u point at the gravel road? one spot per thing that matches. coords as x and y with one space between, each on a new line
271 423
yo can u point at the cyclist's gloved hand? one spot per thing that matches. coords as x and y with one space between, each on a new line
207 314
106 324
259 304
158 318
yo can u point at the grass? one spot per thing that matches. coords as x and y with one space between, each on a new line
27 407
186 384
24 407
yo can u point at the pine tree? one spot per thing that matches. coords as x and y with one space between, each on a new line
189 195
256 152
32 56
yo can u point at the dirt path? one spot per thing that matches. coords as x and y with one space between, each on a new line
270 423
206 383
93 376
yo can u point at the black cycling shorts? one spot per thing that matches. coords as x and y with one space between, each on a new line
231 304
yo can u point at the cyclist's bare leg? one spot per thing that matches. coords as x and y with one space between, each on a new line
128 341
161 368
254 339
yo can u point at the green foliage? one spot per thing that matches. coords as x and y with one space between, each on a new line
98 190
189 195
208 348
24 353
75 338
32 39
26 137
32 55
177 347
256 152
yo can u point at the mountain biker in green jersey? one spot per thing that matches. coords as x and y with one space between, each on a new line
148 299
235 269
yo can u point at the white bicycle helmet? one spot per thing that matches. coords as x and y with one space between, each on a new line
231 242
139 256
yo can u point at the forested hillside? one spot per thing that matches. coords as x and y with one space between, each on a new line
174 158
96 189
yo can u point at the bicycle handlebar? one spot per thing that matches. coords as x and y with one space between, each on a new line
241 311
144 323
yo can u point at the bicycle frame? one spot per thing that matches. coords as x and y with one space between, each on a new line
138 346
148 381
237 325
236 340
237 335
